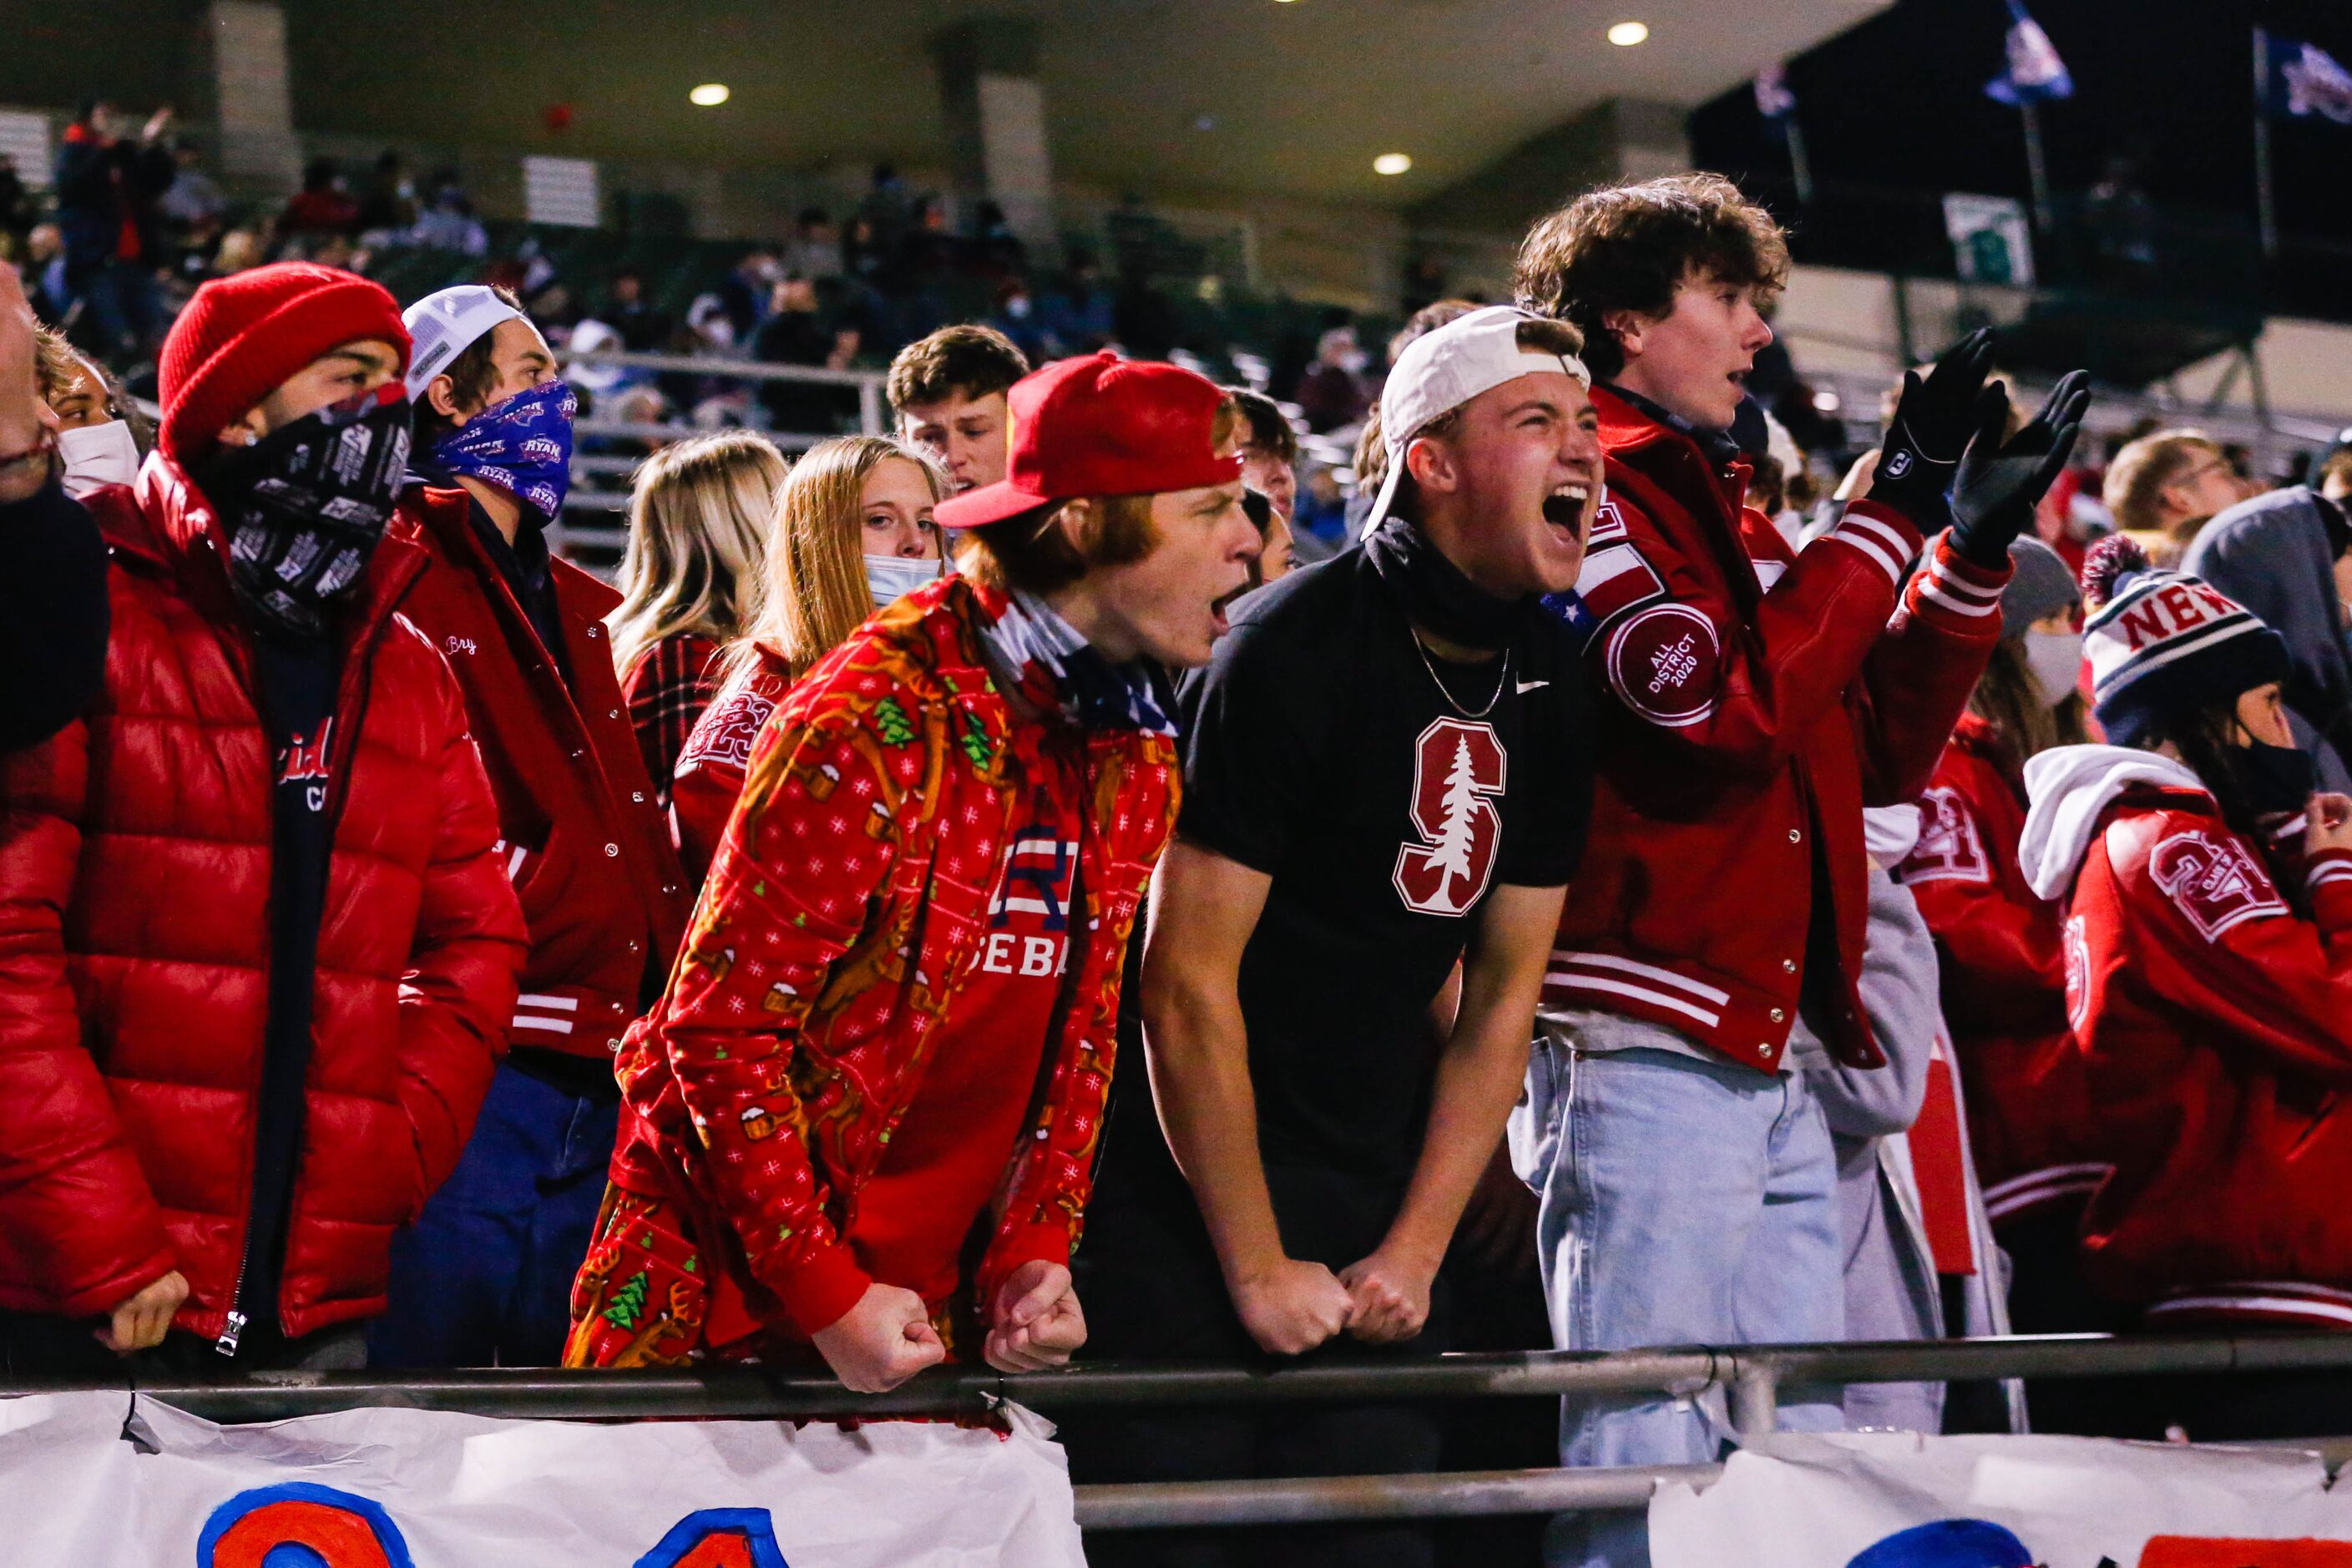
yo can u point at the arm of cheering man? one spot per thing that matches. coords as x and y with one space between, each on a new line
1204 909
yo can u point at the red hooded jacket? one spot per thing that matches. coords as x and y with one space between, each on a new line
1760 701
585 844
2218 1026
134 940
2005 984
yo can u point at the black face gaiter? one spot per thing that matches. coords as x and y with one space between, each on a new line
2274 778
1437 597
304 505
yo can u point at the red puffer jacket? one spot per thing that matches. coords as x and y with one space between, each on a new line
134 943
2004 983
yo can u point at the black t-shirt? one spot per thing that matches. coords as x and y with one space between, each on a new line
1320 750
298 698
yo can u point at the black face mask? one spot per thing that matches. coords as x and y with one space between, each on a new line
1437 597
2274 778
304 505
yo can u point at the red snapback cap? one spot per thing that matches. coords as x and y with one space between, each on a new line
1101 425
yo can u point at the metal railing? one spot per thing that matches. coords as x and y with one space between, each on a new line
1751 1376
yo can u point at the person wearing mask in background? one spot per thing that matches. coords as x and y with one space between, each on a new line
482 1276
1997 942
795 334
1757 702
854 528
1270 466
53 597
839 1140
2287 556
1311 1153
260 951
690 581
101 436
2208 897
948 391
2165 485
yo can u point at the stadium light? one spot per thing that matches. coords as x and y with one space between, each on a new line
1625 35
709 95
1391 163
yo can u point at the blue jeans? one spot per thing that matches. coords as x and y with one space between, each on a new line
484 1276
1682 1202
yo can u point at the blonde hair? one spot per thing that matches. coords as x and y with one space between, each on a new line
2140 473
698 530
813 592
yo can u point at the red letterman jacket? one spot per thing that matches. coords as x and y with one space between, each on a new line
1755 702
584 842
2218 1024
2005 984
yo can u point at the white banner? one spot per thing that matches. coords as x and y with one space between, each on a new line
413 1488
1898 1501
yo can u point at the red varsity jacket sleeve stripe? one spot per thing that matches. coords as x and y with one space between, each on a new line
770 925
1740 691
1918 676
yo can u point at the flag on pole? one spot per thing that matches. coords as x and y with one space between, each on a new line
2303 81
2034 73
1774 101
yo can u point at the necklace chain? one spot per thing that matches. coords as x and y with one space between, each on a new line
1501 679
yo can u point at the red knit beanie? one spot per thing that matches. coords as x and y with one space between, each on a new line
242 336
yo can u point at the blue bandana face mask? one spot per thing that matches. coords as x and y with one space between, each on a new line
522 446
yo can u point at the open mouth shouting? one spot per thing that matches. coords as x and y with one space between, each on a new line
1570 507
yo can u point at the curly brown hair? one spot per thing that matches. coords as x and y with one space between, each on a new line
1628 247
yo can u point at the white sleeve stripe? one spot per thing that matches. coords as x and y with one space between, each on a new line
552 1003
1964 588
552 1025
2330 871
1892 567
1886 534
1933 588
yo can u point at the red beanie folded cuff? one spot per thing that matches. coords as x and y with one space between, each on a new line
241 338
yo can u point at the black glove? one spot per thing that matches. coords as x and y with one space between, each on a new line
2000 483
1933 421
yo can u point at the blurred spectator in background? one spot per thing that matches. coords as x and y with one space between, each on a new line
106 187
45 273
18 209
748 294
699 516
814 250
2164 487
795 334
481 1278
948 391
193 201
644 330
853 530
387 209
1016 316
1321 513
2287 556
239 248
2334 480
1077 316
1331 392
450 223
323 206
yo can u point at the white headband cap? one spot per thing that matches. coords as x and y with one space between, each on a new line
1446 367
443 325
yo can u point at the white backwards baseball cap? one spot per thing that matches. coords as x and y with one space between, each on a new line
1445 368
443 325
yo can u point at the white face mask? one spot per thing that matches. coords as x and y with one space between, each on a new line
97 454
889 577
2057 660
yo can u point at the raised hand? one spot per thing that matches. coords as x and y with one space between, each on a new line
1933 421
2001 483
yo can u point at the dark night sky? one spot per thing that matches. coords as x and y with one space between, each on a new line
1898 101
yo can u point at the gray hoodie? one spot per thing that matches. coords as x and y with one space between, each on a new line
2273 554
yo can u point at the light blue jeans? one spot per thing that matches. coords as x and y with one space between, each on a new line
1683 1201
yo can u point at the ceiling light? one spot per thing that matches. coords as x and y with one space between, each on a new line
709 95
1391 163
1625 35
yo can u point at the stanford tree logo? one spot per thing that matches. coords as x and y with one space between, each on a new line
1458 767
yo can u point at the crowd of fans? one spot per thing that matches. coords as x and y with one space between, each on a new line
1623 898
